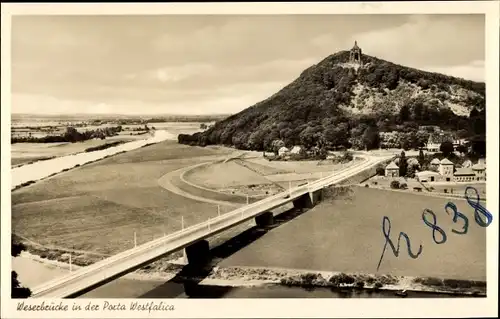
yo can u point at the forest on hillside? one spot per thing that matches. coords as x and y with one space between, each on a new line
313 110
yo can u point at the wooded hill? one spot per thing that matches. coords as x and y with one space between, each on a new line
336 104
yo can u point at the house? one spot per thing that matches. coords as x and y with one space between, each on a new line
296 150
464 174
432 147
446 169
435 163
428 176
283 151
392 170
435 140
479 170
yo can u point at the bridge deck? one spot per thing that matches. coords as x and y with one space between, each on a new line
95 275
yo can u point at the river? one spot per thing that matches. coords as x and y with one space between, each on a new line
42 169
32 273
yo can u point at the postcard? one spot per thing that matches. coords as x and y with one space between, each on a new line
250 160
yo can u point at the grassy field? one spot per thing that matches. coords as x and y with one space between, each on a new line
224 175
459 188
98 207
261 169
454 188
346 235
295 166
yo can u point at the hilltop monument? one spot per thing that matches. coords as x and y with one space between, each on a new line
355 54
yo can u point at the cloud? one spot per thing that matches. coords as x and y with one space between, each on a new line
474 71
437 41
221 62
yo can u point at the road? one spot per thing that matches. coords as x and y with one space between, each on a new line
95 275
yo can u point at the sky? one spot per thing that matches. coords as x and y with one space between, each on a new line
214 64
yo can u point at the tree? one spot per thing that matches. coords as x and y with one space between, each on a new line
380 171
72 135
462 148
446 148
18 291
276 145
371 138
404 113
403 164
421 157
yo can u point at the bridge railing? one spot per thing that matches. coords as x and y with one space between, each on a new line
211 222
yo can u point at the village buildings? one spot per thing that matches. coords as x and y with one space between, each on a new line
392 170
444 171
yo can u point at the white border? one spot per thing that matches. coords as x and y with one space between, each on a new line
268 308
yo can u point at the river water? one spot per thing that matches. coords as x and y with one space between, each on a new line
32 273
45 168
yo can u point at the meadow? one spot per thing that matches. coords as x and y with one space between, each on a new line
99 206
345 235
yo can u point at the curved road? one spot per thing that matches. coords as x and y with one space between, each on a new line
95 275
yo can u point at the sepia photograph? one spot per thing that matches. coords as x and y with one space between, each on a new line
208 156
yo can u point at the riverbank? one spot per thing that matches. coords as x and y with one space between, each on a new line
28 174
252 277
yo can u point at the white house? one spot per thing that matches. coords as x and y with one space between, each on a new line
446 169
392 170
432 147
464 174
295 150
479 170
283 151
428 176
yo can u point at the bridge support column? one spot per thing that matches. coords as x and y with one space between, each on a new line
304 201
198 253
317 196
265 219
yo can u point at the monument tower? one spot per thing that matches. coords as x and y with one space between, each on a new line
355 54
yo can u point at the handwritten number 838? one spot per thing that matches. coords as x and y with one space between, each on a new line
481 215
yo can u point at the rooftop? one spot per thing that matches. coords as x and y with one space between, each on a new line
427 173
464 171
446 161
392 165
479 167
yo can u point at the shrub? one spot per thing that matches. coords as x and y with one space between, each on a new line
378 285
339 279
380 171
403 186
359 284
395 185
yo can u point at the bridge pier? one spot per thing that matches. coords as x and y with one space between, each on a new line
197 253
304 201
317 196
265 219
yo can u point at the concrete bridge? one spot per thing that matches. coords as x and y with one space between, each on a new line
192 239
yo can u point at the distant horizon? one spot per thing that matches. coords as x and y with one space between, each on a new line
119 115
214 64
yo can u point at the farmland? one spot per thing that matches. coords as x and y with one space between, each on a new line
345 235
98 207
